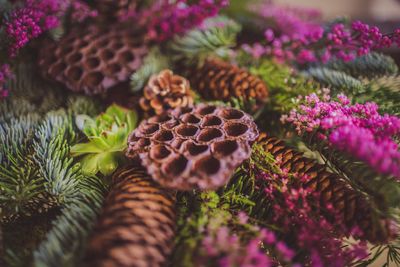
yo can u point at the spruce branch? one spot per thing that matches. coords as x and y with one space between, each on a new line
65 243
153 63
370 65
215 38
335 79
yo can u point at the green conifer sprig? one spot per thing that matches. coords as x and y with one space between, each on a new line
153 63
216 37
370 65
334 79
65 243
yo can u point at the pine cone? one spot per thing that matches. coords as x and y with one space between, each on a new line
219 80
192 148
137 225
166 91
93 59
352 207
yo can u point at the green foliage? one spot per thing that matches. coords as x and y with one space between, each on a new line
335 79
37 172
108 135
217 37
65 243
283 83
153 63
370 65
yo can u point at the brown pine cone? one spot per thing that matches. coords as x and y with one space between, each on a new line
93 59
353 208
192 148
166 91
219 80
137 225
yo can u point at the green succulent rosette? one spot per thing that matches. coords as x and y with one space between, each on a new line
107 135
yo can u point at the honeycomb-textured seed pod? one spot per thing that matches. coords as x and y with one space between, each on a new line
137 225
165 91
191 148
114 9
93 59
352 207
219 80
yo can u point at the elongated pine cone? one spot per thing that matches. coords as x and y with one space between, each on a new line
353 208
166 91
93 59
219 80
197 147
137 225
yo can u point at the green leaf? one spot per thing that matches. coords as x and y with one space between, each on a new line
107 163
90 164
80 149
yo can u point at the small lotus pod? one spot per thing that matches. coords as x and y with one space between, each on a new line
137 225
193 148
164 91
114 9
219 80
352 208
93 59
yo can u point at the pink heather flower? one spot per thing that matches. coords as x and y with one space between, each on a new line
301 39
358 130
30 21
165 19
295 211
81 11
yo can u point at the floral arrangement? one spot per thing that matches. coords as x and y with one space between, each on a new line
160 133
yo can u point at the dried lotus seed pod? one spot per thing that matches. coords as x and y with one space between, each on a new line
194 148
93 59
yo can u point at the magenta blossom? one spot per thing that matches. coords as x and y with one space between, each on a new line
359 130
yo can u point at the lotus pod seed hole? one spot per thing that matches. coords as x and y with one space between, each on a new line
126 57
164 136
206 110
75 57
225 148
75 73
159 152
175 167
187 130
106 55
190 118
232 114
211 120
195 149
149 129
93 78
143 142
160 119
208 165
207 135
235 129
92 63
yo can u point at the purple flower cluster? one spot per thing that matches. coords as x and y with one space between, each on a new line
358 130
166 19
295 212
299 38
5 75
81 11
30 21
224 249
